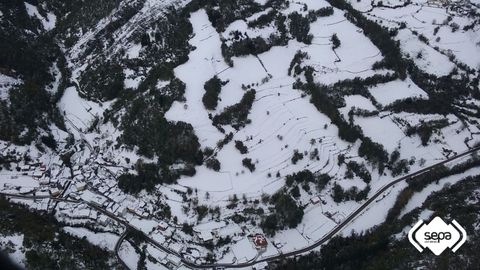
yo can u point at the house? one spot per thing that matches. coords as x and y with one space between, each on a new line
162 226
81 186
206 236
54 192
103 220
315 200
259 241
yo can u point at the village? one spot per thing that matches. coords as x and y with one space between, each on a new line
76 193
68 192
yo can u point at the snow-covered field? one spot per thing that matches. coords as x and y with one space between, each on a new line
103 240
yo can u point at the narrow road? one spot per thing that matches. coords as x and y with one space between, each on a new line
190 264
40 197
117 248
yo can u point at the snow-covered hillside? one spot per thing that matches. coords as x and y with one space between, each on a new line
178 133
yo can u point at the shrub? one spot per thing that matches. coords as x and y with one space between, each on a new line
335 41
103 81
296 157
339 195
373 152
301 177
322 181
360 170
237 114
212 88
247 162
287 214
213 163
299 28
263 20
297 61
241 147
187 228
425 129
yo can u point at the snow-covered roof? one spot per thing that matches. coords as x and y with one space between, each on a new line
206 236
315 200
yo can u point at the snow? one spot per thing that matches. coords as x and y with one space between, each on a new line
431 60
289 115
314 225
423 18
282 121
261 2
357 101
209 226
134 51
204 62
14 241
356 53
206 236
381 130
103 240
420 197
312 4
144 225
89 196
128 255
241 25
244 250
425 215
396 90
6 83
131 80
53 87
17 180
48 22
79 111
376 212
290 240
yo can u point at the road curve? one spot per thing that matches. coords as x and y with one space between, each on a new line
117 248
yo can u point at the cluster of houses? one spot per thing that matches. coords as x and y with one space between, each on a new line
48 179
94 184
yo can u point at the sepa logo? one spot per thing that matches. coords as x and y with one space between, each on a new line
437 236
